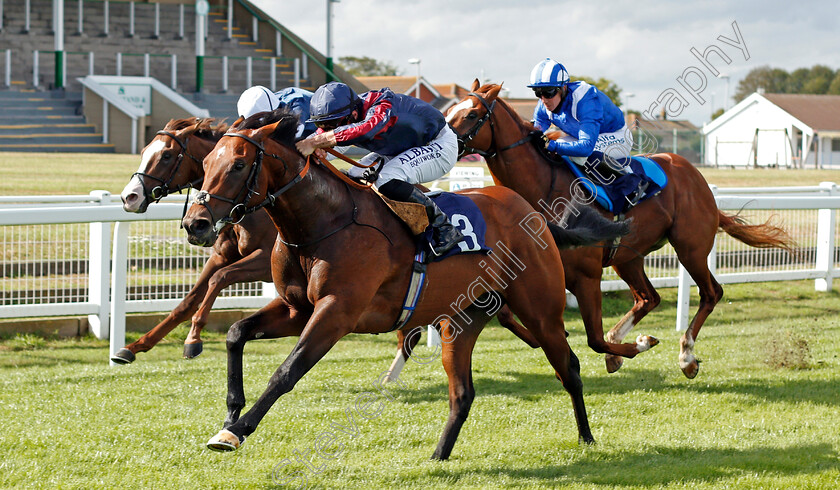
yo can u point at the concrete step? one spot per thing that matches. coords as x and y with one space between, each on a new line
51 139
64 148
28 129
47 109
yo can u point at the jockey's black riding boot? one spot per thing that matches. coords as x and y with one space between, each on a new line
444 235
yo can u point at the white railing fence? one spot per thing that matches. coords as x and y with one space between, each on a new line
58 254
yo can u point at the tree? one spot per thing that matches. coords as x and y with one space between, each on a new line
772 80
834 88
368 67
609 88
819 79
718 113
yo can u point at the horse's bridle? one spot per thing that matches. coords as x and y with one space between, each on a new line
464 139
240 208
159 192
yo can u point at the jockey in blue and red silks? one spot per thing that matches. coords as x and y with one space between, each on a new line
594 126
408 135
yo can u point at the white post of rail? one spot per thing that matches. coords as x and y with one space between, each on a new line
174 83
181 21
27 17
81 18
119 64
35 68
157 21
683 298
131 19
99 268
297 72
273 73
827 221
118 287
90 63
8 80
147 64
249 72
106 15
230 20
711 260
224 74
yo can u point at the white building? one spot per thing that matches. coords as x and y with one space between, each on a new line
790 130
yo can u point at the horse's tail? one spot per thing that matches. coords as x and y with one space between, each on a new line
760 236
583 225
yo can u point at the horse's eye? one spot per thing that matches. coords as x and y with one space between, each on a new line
472 115
238 165
166 156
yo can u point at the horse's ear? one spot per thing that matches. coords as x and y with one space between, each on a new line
475 85
265 132
237 122
494 92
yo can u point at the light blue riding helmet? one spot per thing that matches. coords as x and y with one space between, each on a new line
549 73
332 101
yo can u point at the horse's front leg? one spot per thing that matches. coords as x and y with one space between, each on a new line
274 320
255 267
328 323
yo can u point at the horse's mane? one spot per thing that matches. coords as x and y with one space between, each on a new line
285 132
516 117
201 127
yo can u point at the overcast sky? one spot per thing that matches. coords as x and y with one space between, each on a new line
642 46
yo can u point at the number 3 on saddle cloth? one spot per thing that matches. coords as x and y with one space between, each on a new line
617 194
464 215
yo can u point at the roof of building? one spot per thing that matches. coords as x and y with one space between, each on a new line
820 112
634 121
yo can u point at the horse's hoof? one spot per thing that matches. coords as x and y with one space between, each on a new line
123 356
691 369
224 441
646 342
193 350
614 363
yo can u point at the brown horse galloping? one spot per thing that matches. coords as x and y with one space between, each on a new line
342 264
684 213
172 162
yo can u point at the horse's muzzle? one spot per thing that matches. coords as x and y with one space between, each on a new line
199 231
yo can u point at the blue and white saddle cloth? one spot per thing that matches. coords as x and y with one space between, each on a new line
613 196
464 215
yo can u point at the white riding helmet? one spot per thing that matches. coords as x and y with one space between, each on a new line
549 73
256 99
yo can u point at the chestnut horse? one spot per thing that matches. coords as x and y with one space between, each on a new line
171 162
684 213
342 264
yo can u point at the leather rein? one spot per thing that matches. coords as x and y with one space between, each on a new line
160 191
466 138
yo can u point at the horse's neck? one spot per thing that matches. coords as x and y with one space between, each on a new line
523 168
311 208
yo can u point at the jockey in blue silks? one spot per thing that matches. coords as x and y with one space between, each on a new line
594 126
408 135
260 99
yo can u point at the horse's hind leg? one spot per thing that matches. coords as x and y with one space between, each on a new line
457 361
507 320
694 261
646 299
406 342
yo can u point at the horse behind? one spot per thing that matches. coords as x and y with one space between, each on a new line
684 214
172 162
342 264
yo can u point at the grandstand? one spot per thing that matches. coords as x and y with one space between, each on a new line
48 45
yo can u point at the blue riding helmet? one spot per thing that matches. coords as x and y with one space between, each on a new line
549 73
332 101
